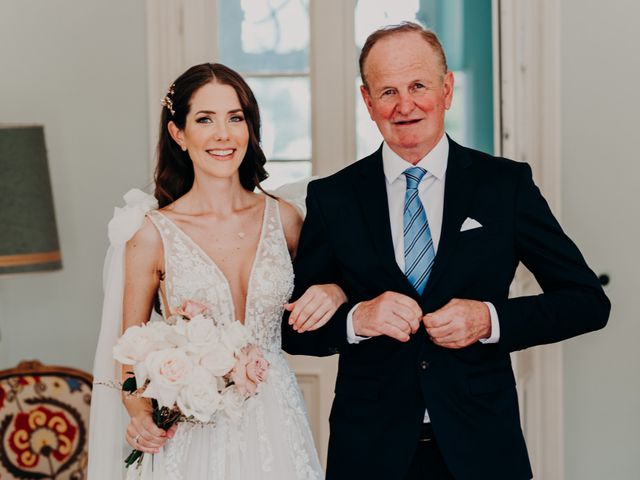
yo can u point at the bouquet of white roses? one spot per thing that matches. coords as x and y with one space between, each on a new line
192 369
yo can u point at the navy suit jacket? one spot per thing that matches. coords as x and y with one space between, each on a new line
383 385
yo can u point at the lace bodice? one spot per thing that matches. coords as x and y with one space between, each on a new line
191 274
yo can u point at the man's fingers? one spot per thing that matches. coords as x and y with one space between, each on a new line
452 342
394 331
408 325
451 345
405 312
410 303
436 319
441 332
450 337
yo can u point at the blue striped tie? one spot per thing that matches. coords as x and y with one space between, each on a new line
418 246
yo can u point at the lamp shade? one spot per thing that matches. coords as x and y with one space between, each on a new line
28 235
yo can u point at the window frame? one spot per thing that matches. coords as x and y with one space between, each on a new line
176 28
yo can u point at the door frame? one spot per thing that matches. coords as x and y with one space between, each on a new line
528 129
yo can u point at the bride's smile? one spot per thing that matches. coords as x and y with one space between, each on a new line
216 134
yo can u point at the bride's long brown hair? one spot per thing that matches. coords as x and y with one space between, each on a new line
174 170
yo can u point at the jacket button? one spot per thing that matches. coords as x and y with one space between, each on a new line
424 365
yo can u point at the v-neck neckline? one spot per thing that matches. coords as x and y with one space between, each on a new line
215 266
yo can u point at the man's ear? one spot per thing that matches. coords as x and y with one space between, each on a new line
448 89
367 99
177 135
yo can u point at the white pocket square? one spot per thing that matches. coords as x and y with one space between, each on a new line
470 224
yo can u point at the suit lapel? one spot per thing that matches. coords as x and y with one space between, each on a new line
459 185
371 190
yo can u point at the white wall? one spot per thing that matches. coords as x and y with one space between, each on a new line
78 67
601 174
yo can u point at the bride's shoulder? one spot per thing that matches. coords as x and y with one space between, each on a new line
147 236
290 215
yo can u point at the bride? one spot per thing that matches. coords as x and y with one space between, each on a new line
207 237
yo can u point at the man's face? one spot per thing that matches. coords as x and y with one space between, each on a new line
408 94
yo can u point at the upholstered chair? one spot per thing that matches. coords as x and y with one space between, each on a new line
44 419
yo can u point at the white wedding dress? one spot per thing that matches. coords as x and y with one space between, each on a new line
272 440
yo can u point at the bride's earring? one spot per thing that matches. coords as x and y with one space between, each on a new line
183 147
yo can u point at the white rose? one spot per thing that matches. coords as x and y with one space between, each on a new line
232 403
132 347
138 340
218 359
200 397
177 336
169 371
136 343
235 336
200 332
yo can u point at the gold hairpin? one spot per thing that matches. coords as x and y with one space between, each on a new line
167 101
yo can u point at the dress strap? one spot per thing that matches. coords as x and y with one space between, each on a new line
274 222
157 220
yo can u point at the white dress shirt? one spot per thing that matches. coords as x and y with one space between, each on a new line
431 193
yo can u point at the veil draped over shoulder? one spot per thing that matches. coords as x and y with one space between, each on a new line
109 418
107 445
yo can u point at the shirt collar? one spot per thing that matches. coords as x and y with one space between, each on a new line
434 162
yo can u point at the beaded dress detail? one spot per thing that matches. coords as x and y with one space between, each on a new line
272 440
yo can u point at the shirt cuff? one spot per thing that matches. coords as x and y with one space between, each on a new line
495 325
352 338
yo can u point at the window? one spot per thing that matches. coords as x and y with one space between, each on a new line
464 28
300 58
267 42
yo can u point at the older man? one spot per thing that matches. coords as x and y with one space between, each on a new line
424 236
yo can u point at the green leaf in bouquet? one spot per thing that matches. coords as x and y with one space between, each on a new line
133 456
129 385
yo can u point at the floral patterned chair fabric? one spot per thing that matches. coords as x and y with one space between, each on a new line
44 418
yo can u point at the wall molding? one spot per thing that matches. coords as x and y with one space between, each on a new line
530 124
180 33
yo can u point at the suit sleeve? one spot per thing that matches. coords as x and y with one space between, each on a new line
315 264
572 302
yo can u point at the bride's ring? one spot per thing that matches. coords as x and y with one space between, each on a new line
135 440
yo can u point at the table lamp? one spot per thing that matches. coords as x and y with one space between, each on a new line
28 234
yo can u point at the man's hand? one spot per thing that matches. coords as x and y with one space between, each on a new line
391 314
459 323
